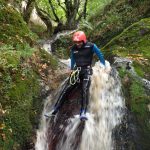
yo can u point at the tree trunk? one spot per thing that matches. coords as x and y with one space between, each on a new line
71 13
28 10
45 18
84 11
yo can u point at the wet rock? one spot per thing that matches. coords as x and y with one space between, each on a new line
127 135
125 63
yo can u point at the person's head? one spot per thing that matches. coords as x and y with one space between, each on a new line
79 38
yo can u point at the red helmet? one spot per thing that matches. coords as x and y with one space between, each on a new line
79 36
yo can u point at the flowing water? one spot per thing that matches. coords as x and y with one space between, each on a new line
106 107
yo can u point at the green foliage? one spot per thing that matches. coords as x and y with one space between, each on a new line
19 81
117 15
62 47
85 25
138 68
2 3
19 85
138 98
48 59
95 8
122 72
19 90
44 4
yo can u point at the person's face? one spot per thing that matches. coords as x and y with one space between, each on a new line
79 43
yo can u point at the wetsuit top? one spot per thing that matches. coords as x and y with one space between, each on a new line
83 56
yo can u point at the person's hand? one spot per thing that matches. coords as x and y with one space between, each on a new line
107 69
102 66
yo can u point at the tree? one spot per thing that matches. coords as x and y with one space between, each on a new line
65 13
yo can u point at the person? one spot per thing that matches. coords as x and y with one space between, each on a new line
81 66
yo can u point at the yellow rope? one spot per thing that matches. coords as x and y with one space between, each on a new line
74 77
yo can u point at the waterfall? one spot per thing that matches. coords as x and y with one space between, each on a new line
106 110
41 141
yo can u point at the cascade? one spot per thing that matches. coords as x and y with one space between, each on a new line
106 110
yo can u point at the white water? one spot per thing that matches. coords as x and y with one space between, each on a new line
105 112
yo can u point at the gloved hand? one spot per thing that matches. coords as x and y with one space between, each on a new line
106 67
102 66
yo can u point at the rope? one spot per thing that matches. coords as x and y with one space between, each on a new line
74 77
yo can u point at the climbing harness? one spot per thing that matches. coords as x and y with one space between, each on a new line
74 77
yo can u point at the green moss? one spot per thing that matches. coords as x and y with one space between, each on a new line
122 72
133 42
18 91
13 28
19 82
137 101
138 68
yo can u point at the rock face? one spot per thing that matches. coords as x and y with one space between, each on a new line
134 130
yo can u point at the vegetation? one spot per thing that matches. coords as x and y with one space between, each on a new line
66 14
122 27
137 100
109 20
133 43
21 69
115 17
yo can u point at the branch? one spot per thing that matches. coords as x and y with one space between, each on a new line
83 13
43 11
68 5
53 10
58 1
84 10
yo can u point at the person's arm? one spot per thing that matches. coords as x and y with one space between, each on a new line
72 60
99 54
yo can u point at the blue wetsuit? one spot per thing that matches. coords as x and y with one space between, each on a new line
95 50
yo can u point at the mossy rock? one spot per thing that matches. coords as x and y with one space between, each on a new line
19 86
137 100
133 43
13 29
20 91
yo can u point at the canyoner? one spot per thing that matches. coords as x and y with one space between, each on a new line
81 70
